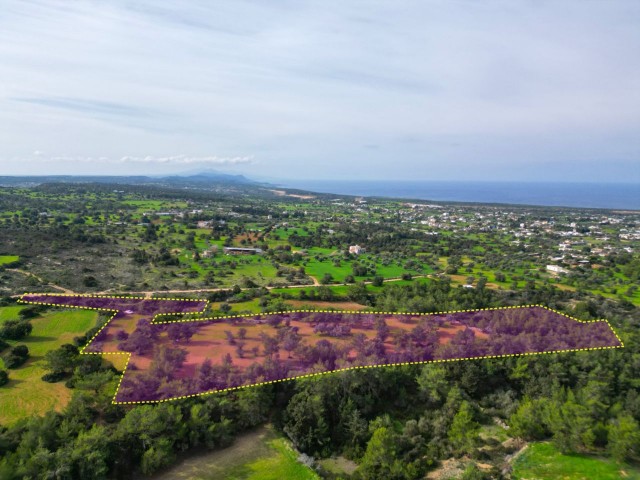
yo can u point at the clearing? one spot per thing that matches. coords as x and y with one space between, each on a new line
26 394
544 461
259 455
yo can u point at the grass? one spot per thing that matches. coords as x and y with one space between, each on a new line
26 394
543 461
259 455
338 466
9 313
7 259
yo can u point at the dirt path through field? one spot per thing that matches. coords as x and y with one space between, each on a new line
150 293
41 280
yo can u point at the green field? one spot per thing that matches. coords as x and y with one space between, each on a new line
543 461
9 313
26 394
6 259
259 455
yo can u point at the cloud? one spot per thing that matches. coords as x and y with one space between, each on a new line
152 160
187 160
305 84
93 107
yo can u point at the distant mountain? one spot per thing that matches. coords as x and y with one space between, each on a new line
200 180
208 177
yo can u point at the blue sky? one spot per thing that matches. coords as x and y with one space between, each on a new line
434 90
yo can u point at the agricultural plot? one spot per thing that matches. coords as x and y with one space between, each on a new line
174 359
8 259
26 394
258 455
543 461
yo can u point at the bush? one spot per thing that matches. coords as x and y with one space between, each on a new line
31 311
16 356
4 377
15 329
53 377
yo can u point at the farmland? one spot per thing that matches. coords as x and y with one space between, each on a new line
8 259
26 394
544 461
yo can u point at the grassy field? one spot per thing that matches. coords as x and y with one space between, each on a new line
9 313
6 259
543 461
259 455
26 394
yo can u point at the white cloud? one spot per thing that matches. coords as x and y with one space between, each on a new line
187 160
151 160
307 85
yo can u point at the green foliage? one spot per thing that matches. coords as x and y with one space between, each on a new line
463 434
15 329
16 356
63 360
528 421
624 438
306 425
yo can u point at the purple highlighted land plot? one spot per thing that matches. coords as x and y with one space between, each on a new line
128 312
173 359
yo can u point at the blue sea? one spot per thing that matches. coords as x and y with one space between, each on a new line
585 195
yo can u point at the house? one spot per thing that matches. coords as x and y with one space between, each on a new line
242 251
356 249
556 269
204 223
211 251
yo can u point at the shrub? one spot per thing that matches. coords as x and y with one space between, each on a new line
15 329
53 377
16 356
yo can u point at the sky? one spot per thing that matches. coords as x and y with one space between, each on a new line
508 90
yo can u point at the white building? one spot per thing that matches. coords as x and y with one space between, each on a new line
356 249
556 269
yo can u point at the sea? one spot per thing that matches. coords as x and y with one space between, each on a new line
623 196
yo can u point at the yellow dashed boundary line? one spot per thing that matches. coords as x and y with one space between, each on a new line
308 375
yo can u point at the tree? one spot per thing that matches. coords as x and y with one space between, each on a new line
242 333
63 359
377 281
4 377
305 424
358 293
432 384
624 438
166 361
291 341
326 279
181 332
380 460
463 433
89 455
16 356
15 329
570 424
528 421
